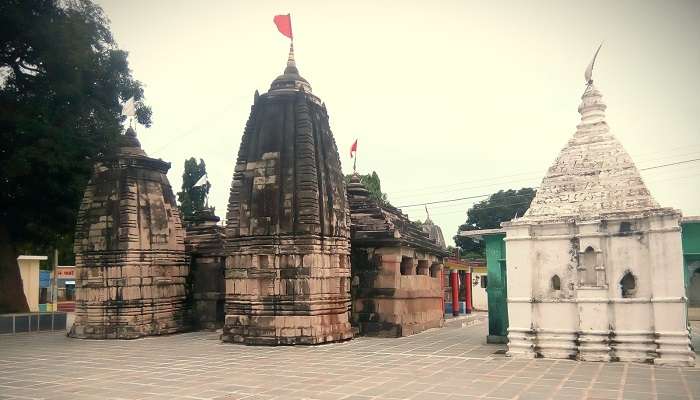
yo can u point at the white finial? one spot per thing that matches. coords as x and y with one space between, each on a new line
290 59
589 70
129 110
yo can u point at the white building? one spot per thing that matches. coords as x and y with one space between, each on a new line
595 267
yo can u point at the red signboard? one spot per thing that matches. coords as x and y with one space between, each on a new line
65 272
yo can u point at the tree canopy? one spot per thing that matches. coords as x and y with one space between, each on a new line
501 206
373 184
193 198
62 81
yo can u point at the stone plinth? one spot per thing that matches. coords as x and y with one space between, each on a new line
287 238
595 267
131 265
396 269
204 240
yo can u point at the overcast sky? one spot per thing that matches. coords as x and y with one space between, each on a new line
447 99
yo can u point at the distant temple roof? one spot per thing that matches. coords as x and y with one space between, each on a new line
434 232
373 224
593 175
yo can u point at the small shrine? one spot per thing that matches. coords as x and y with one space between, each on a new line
595 266
396 269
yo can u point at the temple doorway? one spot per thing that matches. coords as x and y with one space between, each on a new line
694 293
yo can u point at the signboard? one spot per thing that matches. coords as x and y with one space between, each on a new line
44 279
65 272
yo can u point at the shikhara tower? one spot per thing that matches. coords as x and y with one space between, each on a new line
131 265
595 268
287 235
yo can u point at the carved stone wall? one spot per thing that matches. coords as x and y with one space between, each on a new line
131 265
396 269
387 303
287 245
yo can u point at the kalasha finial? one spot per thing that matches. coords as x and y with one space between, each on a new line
290 59
589 70
291 63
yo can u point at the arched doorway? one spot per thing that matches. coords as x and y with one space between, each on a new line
694 292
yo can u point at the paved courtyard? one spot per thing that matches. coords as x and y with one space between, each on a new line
450 363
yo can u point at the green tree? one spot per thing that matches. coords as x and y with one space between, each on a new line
373 184
501 206
62 78
193 198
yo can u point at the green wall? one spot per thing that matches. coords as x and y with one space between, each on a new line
496 288
691 248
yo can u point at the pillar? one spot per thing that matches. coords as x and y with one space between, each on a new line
468 292
423 267
454 282
442 289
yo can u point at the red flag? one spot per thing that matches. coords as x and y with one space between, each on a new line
284 24
353 148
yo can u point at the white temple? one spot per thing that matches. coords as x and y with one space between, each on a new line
595 267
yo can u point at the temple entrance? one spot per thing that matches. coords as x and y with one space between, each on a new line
694 293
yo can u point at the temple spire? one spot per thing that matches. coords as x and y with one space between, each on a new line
592 107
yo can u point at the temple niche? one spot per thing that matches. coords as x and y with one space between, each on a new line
396 269
131 266
595 267
204 242
287 237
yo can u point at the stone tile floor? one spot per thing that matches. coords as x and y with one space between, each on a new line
450 363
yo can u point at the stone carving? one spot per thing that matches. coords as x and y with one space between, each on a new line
287 236
616 255
204 240
131 265
396 269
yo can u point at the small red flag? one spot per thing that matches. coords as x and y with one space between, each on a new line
284 24
353 148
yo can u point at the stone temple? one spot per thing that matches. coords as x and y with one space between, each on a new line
131 266
396 269
204 243
287 236
595 268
